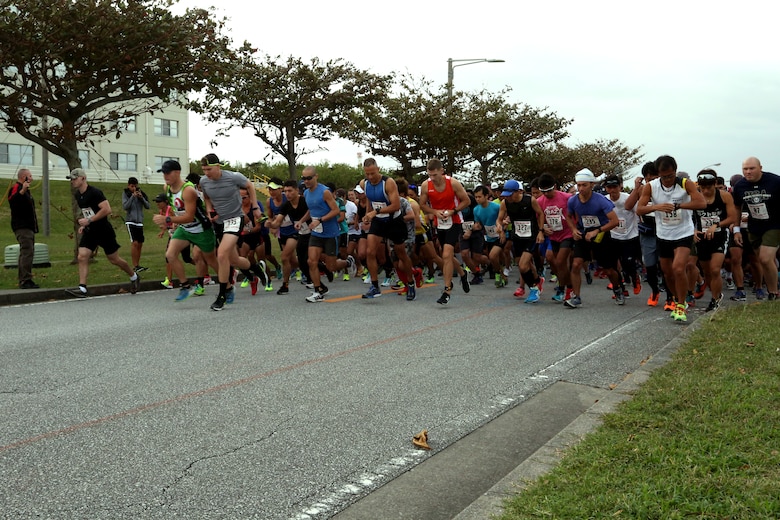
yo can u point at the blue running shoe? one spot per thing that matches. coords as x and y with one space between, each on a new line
373 292
184 293
230 295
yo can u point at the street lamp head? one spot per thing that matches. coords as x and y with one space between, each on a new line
495 61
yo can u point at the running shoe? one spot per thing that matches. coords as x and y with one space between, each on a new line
698 293
345 278
574 302
167 283
373 292
444 299
507 270
714 304
652 301
284 289
77 292
690 300
218 304
500 281
540 284
245 284
476 279
418 276
199 290
261 272
520 292
760 294
135 285
464 282
298 275
730 284
771 296
588 277
315 297
254 283
411 293
279 273
366 279
269 286
619 298
670 305
230 295
398 285
558 296
351 266
208 281
430 279
323 289
681 313
637 285
184 293
739 296
388 281
533 295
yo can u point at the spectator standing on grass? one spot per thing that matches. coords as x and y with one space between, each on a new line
24 223
134 200
95 231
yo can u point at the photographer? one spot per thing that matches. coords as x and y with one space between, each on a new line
24 224
134 200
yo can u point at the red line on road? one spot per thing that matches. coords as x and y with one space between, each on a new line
231 384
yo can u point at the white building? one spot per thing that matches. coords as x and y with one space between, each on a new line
146 142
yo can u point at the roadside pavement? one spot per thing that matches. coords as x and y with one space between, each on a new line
491 463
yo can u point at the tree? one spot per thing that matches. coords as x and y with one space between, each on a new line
284 102
75 70
563 161
404 125
492 129
85 66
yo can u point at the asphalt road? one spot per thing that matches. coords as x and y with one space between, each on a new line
135 406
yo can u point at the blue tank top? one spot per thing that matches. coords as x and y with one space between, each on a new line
318 207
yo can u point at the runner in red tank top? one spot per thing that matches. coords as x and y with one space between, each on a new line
444 198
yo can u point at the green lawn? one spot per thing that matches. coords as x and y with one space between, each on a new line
700 439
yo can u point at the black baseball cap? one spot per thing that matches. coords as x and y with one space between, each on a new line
169 166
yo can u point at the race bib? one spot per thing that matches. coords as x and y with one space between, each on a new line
491 231
232 225
621 227
707 222
444 222
555 222
287 221
758 211
671 218
467 226
590 221
377 206
87 213
304 229
522 228
317 228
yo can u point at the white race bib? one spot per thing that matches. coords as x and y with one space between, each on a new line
444 222
522 228
287 221
491 231
555 222
304 229
621 227
707 222
87 213
467 226
590 221
232 225
377 206
758 211
671 218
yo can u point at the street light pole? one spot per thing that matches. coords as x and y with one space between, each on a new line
461 63
710 166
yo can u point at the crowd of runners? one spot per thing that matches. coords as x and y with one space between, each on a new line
680 236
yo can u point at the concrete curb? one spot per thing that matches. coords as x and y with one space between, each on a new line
546 458
24 296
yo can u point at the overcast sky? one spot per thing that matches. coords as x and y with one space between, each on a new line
699 81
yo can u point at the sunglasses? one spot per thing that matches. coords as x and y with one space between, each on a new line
303 178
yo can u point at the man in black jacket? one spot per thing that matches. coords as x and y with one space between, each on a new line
24 224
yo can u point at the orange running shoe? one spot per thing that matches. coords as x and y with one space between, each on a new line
652 301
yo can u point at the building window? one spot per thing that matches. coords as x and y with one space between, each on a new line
167 127
16 154
159 160
124 162
126 124
83 156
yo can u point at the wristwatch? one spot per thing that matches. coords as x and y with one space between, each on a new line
167 220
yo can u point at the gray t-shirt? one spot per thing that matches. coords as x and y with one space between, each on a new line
224 194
